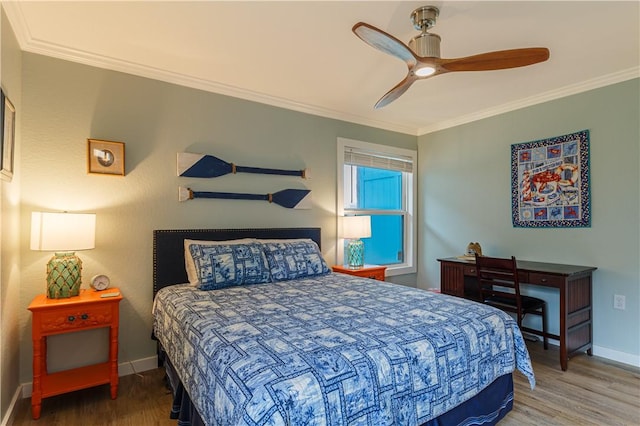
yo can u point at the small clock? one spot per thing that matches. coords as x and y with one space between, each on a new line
100 282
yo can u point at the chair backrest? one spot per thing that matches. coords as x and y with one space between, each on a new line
498 277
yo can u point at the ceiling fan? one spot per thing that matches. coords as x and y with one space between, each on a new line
422 55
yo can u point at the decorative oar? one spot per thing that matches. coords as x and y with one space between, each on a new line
208 166
289 198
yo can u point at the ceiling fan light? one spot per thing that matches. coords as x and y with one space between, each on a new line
425 71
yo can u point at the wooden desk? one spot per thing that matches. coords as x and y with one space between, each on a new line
57 316
458 278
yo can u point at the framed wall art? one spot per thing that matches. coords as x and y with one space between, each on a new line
550 185
8 123
105 157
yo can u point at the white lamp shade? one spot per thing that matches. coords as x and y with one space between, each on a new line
63 231
356 227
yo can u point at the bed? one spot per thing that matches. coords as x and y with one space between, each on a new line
321 348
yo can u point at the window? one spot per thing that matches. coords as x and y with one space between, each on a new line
378 181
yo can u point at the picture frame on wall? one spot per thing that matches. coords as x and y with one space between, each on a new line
7 143
105 157
550 182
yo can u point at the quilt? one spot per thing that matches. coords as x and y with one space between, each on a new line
333 350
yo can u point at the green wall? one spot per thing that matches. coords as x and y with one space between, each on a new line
464 181
65 103
10 308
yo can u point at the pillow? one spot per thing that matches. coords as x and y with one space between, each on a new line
225 265
192 274
290 259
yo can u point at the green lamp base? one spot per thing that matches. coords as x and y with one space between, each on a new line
355 254
64 275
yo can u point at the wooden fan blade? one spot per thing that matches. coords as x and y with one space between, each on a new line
384 42
396 92
498 60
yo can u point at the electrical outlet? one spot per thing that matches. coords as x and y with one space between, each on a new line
619 302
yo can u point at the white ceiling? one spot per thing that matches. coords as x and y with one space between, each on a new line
302 55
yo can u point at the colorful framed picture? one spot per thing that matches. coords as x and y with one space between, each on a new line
8 123
550 185
105 157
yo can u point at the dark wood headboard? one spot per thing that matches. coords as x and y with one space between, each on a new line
168 247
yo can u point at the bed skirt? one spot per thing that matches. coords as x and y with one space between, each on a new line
486 408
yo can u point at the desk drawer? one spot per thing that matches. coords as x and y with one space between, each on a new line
545 279
523 276
470 270
76 318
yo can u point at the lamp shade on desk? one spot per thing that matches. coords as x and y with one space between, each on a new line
63 233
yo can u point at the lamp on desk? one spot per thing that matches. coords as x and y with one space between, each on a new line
63 233
354 228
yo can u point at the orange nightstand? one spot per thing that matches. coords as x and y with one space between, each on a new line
367 271
58 316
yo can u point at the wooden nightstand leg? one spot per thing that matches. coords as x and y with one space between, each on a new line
36 393
35 410
113 357
43 358
114 389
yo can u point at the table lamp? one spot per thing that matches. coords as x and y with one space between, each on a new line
63 233
354 228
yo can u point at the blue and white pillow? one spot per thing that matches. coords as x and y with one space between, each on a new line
291 259
226 265
192 274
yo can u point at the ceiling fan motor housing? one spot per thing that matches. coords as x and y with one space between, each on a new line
426 45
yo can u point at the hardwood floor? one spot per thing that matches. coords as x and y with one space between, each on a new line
593 391
142 400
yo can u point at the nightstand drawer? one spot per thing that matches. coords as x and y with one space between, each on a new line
376 275
75 318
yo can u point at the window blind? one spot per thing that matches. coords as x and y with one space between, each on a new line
357 157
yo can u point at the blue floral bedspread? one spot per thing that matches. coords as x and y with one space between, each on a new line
333 350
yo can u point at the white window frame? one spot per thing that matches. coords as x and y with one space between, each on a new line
409 200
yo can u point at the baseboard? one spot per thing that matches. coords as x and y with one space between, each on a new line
609 354
137 366
124 369
8 419
621 357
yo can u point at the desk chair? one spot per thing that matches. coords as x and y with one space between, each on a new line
498 286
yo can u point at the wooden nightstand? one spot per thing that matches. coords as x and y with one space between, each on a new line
58 316
367 271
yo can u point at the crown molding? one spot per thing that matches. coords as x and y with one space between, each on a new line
29 44
128 67
562 92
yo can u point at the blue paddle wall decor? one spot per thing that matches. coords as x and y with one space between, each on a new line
288 198
208 166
